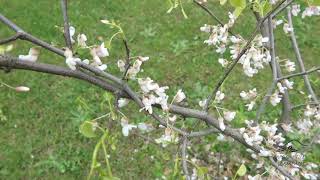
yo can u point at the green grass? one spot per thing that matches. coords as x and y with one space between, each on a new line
40 138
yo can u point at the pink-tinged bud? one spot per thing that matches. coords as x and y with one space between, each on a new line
22 89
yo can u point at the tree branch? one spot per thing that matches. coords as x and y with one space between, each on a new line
10 39
184 157
64 7
299 58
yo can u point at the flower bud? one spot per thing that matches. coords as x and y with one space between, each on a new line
22 89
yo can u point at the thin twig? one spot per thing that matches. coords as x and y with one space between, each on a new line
184 158
299 58
64 7
211 14
10 39
283 6
303 105
300 74
127 65
274 72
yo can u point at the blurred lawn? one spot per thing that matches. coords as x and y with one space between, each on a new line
40 138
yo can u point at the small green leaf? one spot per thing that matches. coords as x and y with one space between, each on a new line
238 3
266 7
237 11
242 170
87 129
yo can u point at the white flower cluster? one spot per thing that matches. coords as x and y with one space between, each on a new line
96 52
276 97
251 133
287 28
307 172
218 34
153 94
311 11
249 96
290 66
134 69
126 127
252 136
228 116
167 138
295 9
256 56
272 139
311 119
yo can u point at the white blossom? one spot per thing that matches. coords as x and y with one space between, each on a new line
304 125
70 60
167 138
229 115
281 88
202 103
101 51
250 105
82 38
206 28
295 9
290 66
126 127
287 28
72 31
220 137
276 23
150 89
311 11
172 118
309 111
288 84
221 124
219 96
264 153
145 127
180 96
223 62
256 177
122 102
121 65
32 56
252 94
275 98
